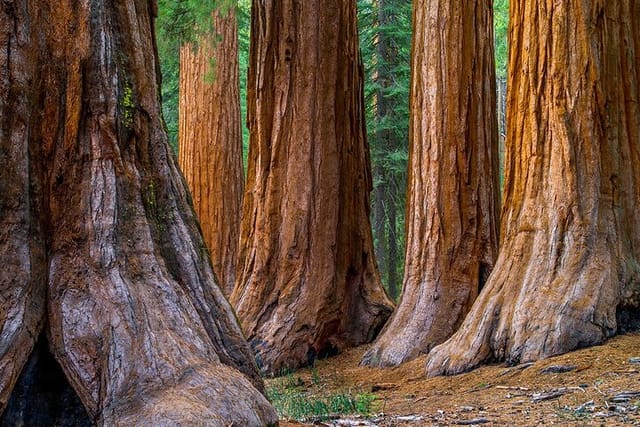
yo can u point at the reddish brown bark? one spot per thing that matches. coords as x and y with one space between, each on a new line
568 274
134 316
453 169
307 283
210 139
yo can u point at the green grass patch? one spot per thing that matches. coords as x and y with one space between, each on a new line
292 401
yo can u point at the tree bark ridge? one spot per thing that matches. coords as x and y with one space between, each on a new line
22 296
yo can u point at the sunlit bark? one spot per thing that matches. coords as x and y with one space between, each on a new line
210 140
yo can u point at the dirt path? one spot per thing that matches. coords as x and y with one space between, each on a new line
594 386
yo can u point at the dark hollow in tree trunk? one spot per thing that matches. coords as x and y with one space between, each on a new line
43 396
307 282
100 222
452 199
568 268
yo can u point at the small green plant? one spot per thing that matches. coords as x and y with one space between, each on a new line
128 106
365 402
293 381
568 414
315 376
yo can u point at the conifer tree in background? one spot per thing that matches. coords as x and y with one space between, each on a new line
452 211
210 137
307 282
385 39
568 273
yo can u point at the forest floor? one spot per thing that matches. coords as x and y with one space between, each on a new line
594 386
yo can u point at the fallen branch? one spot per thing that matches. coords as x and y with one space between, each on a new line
474 421
540 397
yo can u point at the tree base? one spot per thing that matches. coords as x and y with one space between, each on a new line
212 395
215 395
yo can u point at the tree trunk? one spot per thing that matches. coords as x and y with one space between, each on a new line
453 168
307 284
210 140
568 274
501 86
134 316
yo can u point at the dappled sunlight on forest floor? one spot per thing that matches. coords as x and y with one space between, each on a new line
593 386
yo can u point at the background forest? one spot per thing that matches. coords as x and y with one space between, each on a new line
385 44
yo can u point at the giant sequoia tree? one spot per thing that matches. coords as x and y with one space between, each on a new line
307 283
210 138
568 274
99 241
453 171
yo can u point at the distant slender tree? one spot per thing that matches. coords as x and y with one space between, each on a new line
386 192
501 21
104 247
210 138
307 284
453 178
385 39
568 274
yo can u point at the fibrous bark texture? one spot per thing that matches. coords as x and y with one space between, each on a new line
134 316
307 283
568 274
210 140
23 273
452 218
